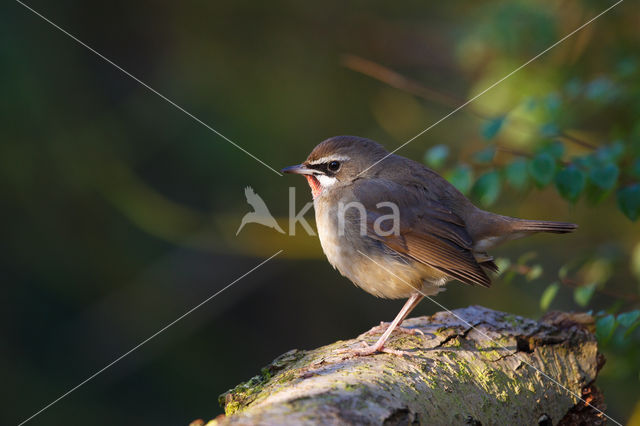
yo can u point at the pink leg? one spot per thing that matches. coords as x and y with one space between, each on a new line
412 302
399 329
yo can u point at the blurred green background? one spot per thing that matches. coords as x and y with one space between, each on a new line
119 211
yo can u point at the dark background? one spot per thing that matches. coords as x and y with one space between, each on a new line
119 211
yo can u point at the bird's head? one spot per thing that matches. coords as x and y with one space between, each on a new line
338 161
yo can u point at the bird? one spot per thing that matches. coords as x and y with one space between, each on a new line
261 213
438 235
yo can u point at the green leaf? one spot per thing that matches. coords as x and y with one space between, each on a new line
563 271
627 319
549 130
486 155
598 271
635 261
585 161
556 149
629 201
461 177
627 67
509 276
630 320
576 264
516 174
548 295
553 102
605 177
631 329
573 87
487 188
605 327
582 295
634 145
534 272
610 153
492 127
635 168
594 194
503 264
436 156
600 89
570 182
542 169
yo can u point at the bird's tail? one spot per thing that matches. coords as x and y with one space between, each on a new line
524 225
496 229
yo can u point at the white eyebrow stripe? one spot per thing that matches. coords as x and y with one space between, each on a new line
329 158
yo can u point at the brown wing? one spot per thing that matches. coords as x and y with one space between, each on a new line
429 232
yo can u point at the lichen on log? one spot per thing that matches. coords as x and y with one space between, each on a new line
505 369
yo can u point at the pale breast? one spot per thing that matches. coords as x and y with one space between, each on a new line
367 262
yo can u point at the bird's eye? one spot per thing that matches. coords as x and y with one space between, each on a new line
333 166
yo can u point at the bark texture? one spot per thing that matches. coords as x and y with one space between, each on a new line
504 370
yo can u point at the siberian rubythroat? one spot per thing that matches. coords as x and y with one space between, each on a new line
433 235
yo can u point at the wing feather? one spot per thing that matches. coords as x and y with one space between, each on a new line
429 233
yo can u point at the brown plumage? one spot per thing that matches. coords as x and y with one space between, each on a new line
440 236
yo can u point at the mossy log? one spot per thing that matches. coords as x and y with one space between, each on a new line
504 370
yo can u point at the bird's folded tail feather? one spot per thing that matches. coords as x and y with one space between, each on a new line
524 225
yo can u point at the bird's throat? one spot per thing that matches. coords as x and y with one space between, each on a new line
316 188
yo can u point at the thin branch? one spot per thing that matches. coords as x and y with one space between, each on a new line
400 82
516 152
577 141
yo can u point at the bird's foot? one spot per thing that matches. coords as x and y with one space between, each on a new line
367 350
403 330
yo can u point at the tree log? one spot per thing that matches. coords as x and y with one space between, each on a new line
504 369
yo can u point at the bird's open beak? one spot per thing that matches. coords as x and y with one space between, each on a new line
299 169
